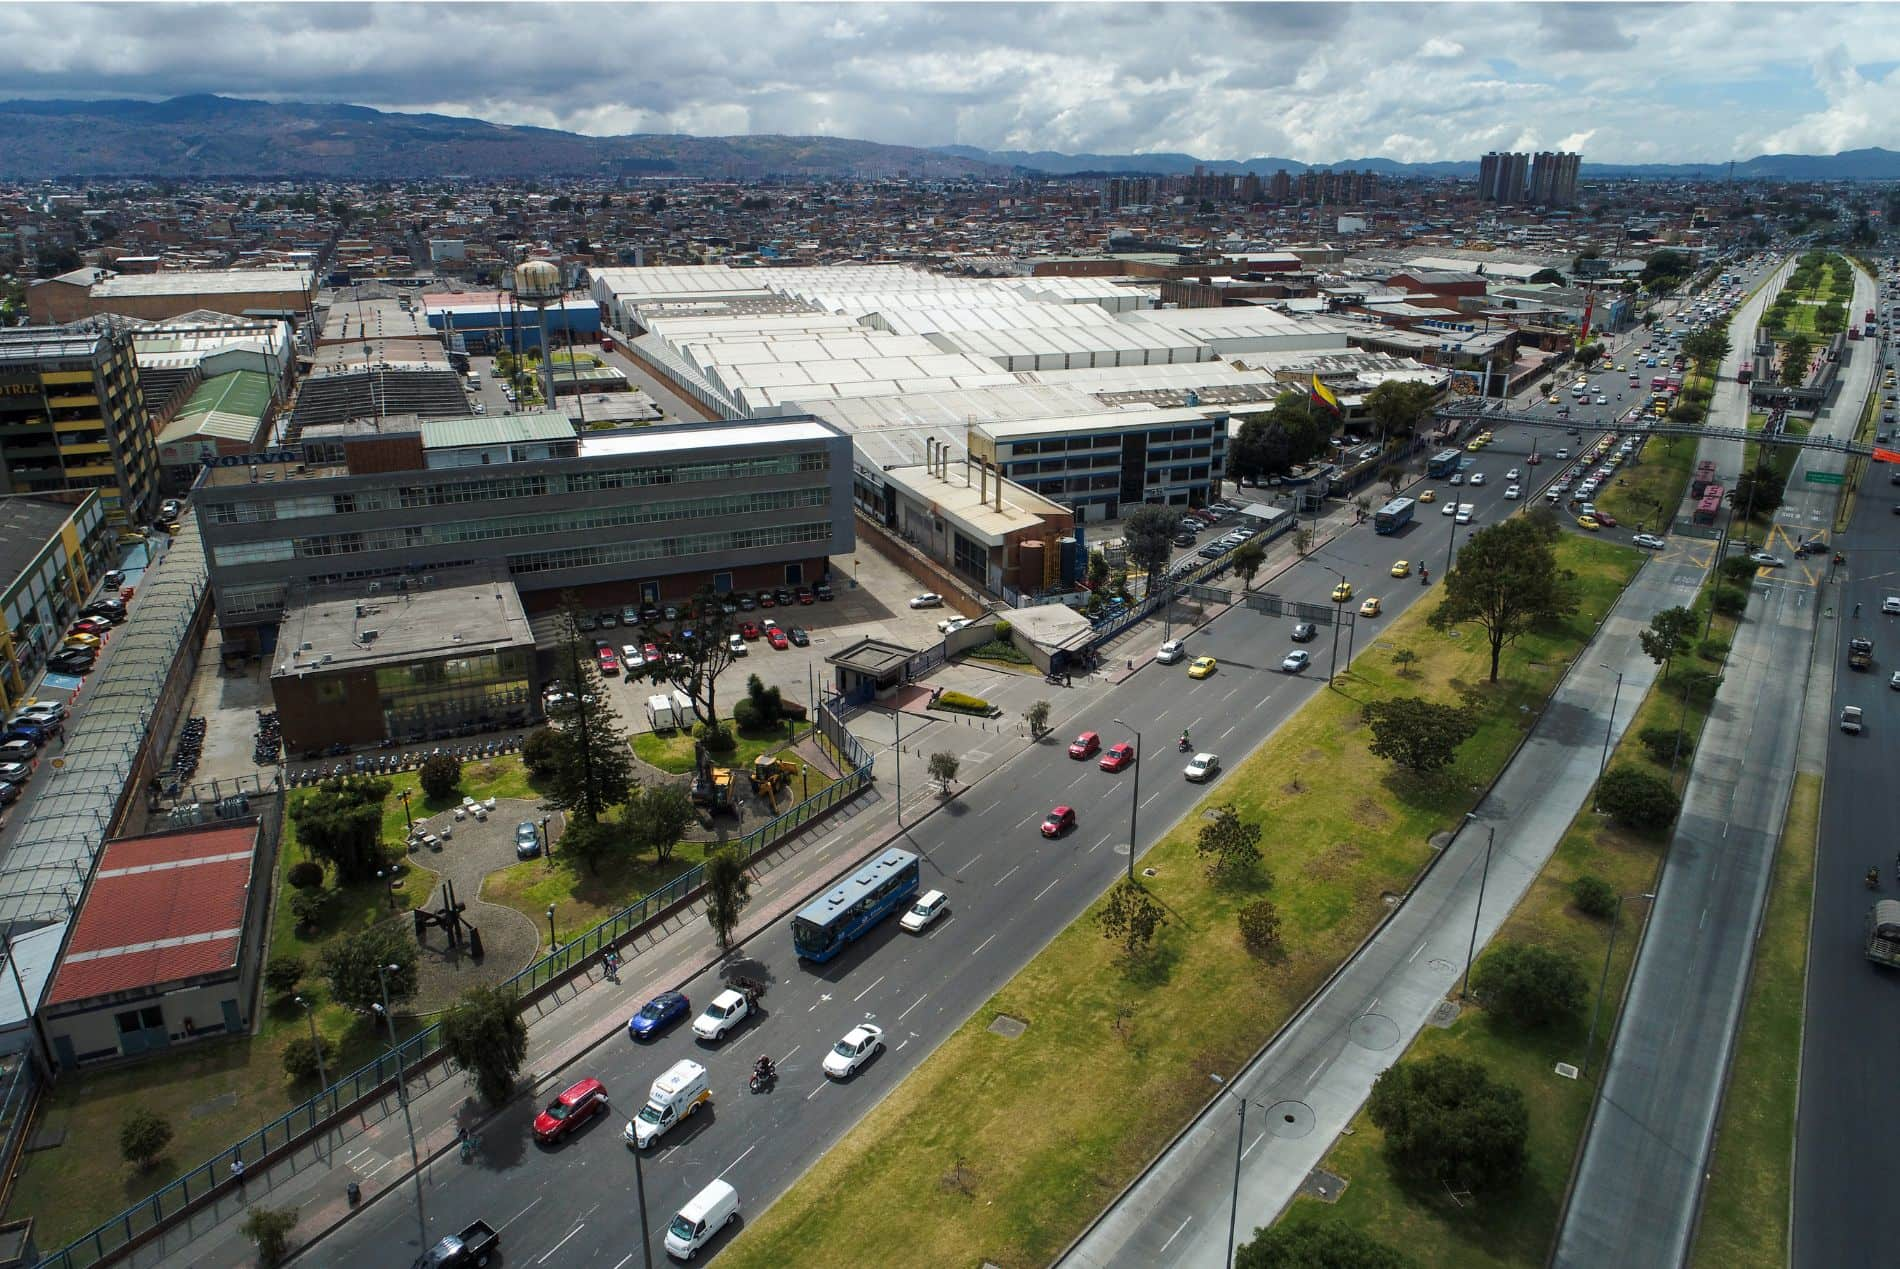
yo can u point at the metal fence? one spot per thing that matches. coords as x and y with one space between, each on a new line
168 1203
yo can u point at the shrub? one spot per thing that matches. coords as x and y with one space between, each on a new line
304 874
539 753
1260 927
1730 601
270 1229
1713 649
1659 743
1447 1122
300 1057
963 703
1530 986
1637 799
999 650
284 973
1739 568
746 715
143 1136
1001 630
440 775
766 704
1333 1245
1593 896
311 906
717 738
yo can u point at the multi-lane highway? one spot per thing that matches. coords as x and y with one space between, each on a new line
1849 1101
1010 892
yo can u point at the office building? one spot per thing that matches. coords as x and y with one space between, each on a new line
1102 465
646 515
72 416
52 546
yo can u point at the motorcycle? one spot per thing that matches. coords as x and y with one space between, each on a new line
1873 878
1183 744
763 1077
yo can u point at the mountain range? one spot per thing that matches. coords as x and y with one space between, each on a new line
211 136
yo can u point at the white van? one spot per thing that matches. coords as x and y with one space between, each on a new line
710 1211
674 1096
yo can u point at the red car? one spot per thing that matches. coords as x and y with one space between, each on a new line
570 1110
1605 519
1058 821
750 630
91 626
766 599
777 638
805 596
609 660
651 652
1119 755
1085 745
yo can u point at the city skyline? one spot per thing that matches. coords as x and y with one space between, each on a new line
1324 84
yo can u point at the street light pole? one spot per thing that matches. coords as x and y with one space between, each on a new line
1610 726
406 795
1332 667
402 1097
554 940
640 1199
1471 952
1134 798
897 755
316 1044
1590 1044
1240 1150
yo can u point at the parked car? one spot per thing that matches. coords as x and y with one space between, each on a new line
928 599
1171 651
527 840
798 637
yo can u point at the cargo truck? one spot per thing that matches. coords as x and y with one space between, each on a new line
1883 932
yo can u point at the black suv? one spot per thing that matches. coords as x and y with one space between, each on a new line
1305 632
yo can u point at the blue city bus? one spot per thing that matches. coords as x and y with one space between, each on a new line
1393 516
854 905
1443 463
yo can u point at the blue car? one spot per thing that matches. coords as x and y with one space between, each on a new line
658 1014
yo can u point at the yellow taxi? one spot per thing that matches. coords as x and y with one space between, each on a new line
1588 522
1402 568
1202 667
1429 495
1370 608
1342 592
1552 401
80 641
1486 436
1474 447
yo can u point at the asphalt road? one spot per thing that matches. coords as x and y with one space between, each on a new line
1849 1101
1638 1182
1010 890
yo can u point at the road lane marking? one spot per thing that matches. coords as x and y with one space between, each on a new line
378 1168
1243 1153
1098 845
913 1004
1151 797
564 1242
1045 890
623 1261
517 1216
1226 733
741 1159
985 943
867 991
1176 1234
1025 819
1415 952
1005 877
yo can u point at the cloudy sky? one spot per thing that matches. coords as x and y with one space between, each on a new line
1317 83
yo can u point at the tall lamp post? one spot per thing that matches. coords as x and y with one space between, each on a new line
402 1097
1134 798
1610 726
640 1200
316 1043
406 795
554 940
1471 951
1338 612
1589 1045
1240 1150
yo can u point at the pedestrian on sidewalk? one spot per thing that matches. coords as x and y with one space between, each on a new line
237 1170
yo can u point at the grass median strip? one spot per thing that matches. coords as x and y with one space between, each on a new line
1004 1148
1745 1206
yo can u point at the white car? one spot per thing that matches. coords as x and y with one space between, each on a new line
735 644
1850 719
1204 767
631 658
860 1044
1450 509
1464 513
1894 682
1511 474
1512 491
925 911
1477 478
950 625
727 1010
1649 540
1762 559
1457 478
926 600
1171 651
1295 661
1890 604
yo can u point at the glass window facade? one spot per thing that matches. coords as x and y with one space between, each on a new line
487 687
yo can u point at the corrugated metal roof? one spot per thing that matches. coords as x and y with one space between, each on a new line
509 429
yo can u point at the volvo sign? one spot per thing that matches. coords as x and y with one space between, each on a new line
250 460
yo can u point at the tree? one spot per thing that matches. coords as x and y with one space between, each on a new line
1447 1122
943 768
538 752
1420 735
1229 846
1796 355
270 1229
143 1136
283 974
485 1032
1758 492
301 1060
310 907
1247 559
440 774
341 823
1332 1245
1593 896
1404 658
1707 347
592 766
1507 581
1149 533
1394 477
693 665
590 841
1260 927
1669 632
1261 449
1398 408
1129 915
728 890
1830 319
1530 986
349 965
1038 718
1637 799
1553 277
656 816
1665 271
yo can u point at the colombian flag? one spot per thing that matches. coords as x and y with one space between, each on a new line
1322 396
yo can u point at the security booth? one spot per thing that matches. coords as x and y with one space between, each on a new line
870 669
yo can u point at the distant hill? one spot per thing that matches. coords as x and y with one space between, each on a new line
210 136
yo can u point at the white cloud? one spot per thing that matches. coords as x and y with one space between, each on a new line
1315 83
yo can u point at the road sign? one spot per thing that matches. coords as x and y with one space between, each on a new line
1826 478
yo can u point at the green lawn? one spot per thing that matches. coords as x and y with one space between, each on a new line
584 899
1649 491
976 1156
1516 1229
673 751
1745 1207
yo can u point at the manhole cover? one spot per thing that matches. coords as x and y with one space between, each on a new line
1444 1013
1291 1120
1007 1027
1323 1186
1148 872
1374 1031
1440 965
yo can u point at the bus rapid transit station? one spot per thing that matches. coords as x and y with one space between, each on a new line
846 911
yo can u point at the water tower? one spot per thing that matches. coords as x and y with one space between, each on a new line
539 283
